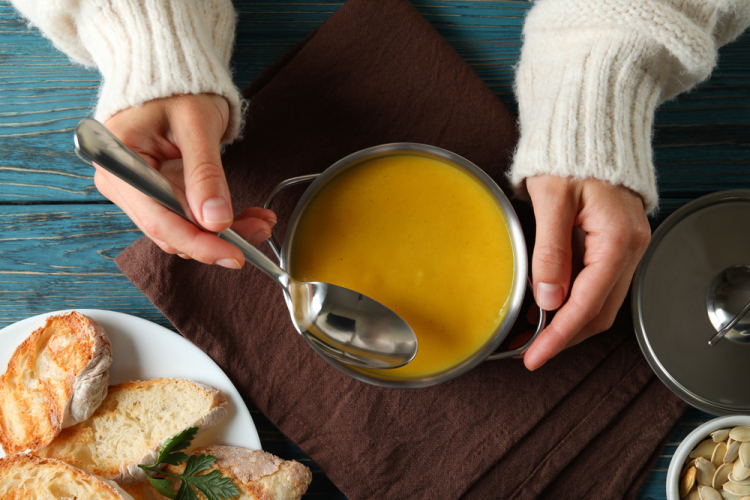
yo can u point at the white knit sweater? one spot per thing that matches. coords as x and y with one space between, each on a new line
592 73
145 49
590 76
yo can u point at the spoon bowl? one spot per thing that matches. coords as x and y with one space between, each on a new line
345 325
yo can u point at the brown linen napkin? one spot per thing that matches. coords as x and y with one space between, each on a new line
377 72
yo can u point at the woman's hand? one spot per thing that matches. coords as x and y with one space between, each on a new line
180 136
617 233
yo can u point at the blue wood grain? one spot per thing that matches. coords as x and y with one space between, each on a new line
58 236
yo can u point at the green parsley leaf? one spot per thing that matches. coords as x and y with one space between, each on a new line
181 441
213 485
186 493
163 486
195 465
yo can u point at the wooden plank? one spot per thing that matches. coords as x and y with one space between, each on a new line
44 95
62 256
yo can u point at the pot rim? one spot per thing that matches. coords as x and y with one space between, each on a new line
518 244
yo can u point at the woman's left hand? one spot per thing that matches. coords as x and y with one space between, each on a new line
616 236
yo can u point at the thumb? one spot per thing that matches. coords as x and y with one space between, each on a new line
198 134
555 211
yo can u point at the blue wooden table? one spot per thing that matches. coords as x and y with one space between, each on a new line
59 236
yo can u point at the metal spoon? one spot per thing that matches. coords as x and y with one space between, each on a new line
345 324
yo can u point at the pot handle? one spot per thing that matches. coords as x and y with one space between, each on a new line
515 352
293 181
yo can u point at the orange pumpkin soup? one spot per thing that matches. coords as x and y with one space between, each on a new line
420 236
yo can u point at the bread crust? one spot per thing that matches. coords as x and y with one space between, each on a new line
128 415
29 477
258 475
56 378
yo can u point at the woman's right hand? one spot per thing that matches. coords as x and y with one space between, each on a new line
181 136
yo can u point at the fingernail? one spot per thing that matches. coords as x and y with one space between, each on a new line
228 263
532 361
271 222
549 296
216 210
259 237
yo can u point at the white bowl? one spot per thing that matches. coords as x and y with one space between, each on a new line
690 442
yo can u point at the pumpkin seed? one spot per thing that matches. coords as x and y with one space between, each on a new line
693 495
719 467
730 496
705 450
744 454
737 489
741 433
687 482
717 458
733 451
739 472
720 435
705 471
687 466
721 476
708 493
735 480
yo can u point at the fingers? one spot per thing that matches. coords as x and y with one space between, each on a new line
257 213
169 231
555 211
606 317
617 234
254 224
196 127
590 291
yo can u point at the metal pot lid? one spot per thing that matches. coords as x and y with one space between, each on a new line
693 279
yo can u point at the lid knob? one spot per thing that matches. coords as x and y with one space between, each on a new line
728 302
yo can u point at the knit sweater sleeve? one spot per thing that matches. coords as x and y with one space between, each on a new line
592 73
147 49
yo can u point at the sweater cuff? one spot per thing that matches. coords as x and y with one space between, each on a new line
587 111
156 48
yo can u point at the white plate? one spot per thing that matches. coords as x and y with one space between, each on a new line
142 350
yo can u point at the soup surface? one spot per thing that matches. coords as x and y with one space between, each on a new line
422 237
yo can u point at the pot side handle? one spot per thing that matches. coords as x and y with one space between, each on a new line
515 352
293 181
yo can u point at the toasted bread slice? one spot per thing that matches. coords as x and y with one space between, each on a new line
56 378
32 478
132 424
258 475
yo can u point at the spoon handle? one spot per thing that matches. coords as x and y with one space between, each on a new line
256 257
99 145
720 334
